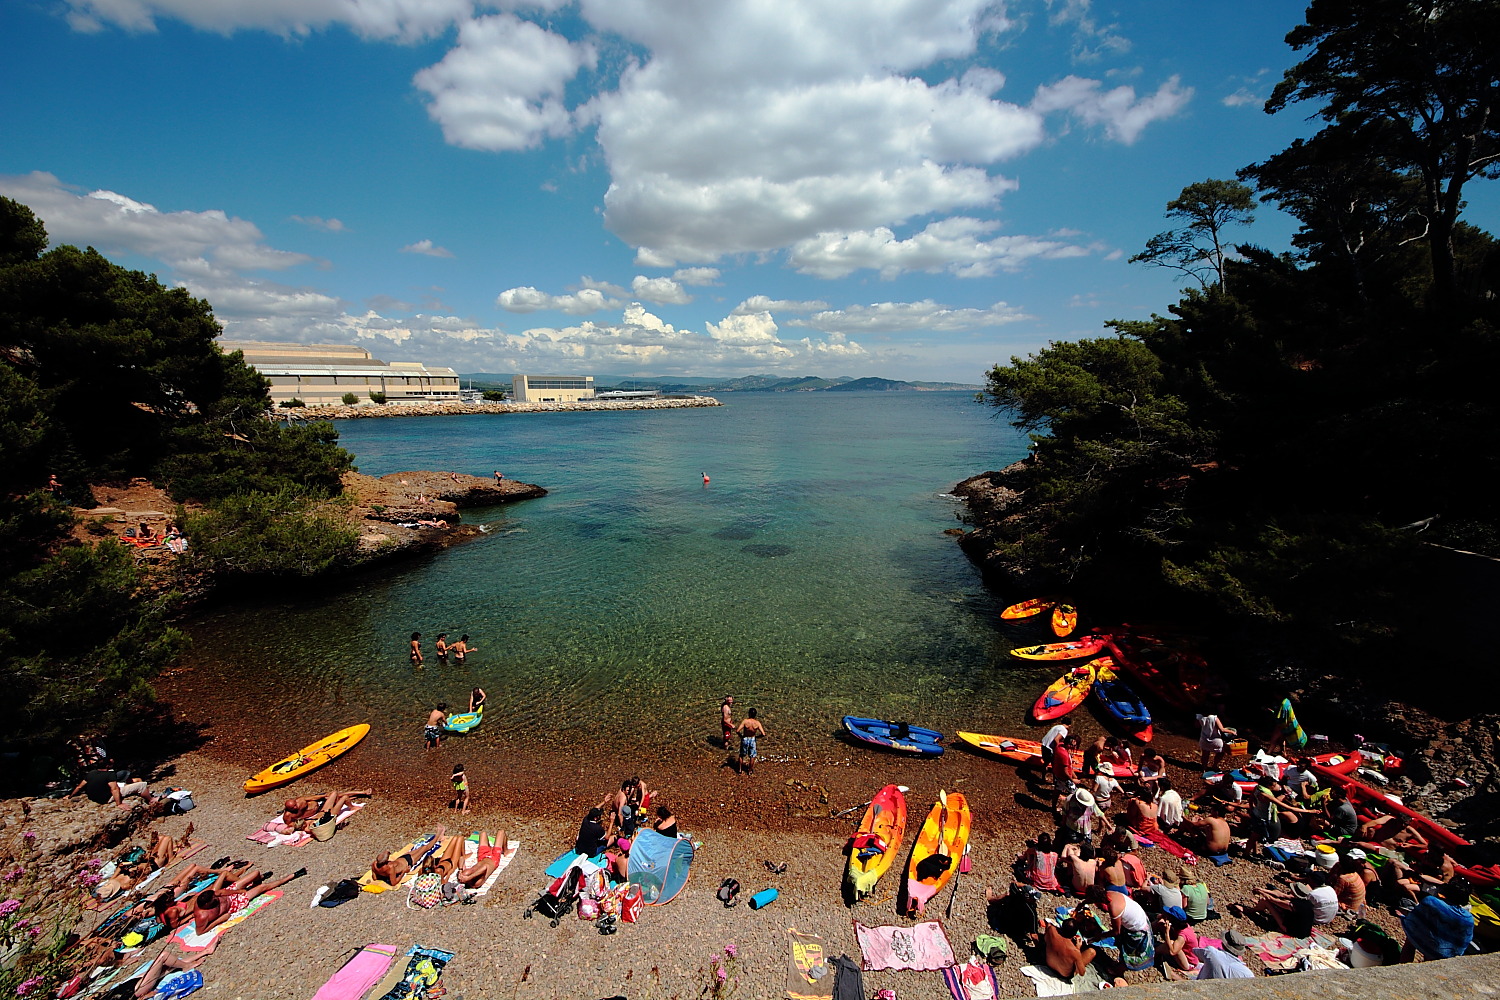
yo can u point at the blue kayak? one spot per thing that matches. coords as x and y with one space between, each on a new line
1122 702
895 735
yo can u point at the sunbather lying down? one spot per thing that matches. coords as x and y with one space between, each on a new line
391 870
491 850
170 960
300 813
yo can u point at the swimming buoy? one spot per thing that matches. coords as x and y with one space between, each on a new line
705 479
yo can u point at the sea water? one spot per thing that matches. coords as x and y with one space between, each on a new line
810 578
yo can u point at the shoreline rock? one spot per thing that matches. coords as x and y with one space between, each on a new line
363 411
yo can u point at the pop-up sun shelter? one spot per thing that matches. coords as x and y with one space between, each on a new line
659 865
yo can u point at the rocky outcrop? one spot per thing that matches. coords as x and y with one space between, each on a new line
370 410
993 499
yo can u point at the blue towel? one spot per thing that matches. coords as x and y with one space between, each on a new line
1220 860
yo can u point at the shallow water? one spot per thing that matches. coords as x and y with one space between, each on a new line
810 578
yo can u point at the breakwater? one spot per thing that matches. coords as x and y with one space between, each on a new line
371 410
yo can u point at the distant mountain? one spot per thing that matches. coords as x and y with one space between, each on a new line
746 383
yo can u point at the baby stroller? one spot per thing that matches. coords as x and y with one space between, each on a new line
559 898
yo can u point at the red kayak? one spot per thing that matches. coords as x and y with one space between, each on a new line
1338 763
1175 677
1362 794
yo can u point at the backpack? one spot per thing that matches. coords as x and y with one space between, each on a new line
341 893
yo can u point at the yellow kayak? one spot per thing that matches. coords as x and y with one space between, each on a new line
1064 620
308 759
1026 609
946 825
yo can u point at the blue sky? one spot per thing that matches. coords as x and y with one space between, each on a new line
903 188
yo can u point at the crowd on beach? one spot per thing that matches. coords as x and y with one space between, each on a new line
1328 869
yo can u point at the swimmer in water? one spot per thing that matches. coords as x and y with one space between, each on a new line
705 479
416 648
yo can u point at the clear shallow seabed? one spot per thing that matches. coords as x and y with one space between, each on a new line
810 578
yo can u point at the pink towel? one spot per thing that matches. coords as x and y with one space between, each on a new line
362 971
924 947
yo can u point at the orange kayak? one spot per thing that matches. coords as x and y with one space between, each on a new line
1085 646
1064 694
1026 609
878 839
1064 620
1020 751
945 832
306 760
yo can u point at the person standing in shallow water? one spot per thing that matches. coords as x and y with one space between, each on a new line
726 718
442 647
461 648
416 649
750 733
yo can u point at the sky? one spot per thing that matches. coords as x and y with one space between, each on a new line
910 189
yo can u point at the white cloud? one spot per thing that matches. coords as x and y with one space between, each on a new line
1122 115
905 317
1242 97
527 299
762 303
953 245
661 291
697 276
318 222
1091 40
426 248
117 224
406 20
501 87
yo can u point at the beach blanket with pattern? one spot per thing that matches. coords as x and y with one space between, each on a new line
187 938
418 849
974 980
810 973
1280 952
471 854
923 948
1049 984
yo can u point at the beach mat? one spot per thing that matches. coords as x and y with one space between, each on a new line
922 948
570 859
1049 984
187 938
364 969
974 980
810 972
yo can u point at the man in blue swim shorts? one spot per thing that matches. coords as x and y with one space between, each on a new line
750 731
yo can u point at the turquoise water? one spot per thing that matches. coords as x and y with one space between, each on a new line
810 578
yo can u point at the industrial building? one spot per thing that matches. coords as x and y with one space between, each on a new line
551 388
321 374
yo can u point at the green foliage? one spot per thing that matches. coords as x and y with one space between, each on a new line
494 395
1198 248
350 399
377 398
292 404
289 533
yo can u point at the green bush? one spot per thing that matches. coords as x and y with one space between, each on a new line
292 404
293 532
350 399
494 395
377 397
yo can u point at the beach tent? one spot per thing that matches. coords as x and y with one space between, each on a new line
659 865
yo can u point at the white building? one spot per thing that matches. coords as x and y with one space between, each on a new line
551 388
321 374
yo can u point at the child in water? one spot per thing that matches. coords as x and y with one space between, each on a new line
460 789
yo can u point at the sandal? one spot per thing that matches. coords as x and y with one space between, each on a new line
775 869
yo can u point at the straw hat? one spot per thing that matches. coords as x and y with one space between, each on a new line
1170 877
1106 768
1084 797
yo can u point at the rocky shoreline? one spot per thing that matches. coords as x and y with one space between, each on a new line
369 410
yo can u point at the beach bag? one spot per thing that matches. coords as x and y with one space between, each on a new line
1019 913
630 906
588 908
729 892
324 829
426 891
341 893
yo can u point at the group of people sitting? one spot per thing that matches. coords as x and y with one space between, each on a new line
1152 918
608 828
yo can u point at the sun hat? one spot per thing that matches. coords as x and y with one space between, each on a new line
1105 767
1084 797
1356 854
1234 942
1170 877
1302 889
1176 913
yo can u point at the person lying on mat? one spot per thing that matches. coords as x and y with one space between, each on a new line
1392 830
445 861
170 960
486 860
296 812
391 870
216 904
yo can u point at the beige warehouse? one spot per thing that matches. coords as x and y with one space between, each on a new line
321 374
551 388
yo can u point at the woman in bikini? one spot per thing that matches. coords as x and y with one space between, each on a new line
442 647
461 648
476 699
486 860
416 648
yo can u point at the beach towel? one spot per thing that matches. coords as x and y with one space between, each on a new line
974 980
924 947
471 853
364 969
572 859
810 975
418 849
1286 721
1281 953
1049 984
422 976
187 938
271 836
1219 860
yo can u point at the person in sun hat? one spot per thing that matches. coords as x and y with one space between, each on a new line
1078 816
1105 785
1225 963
